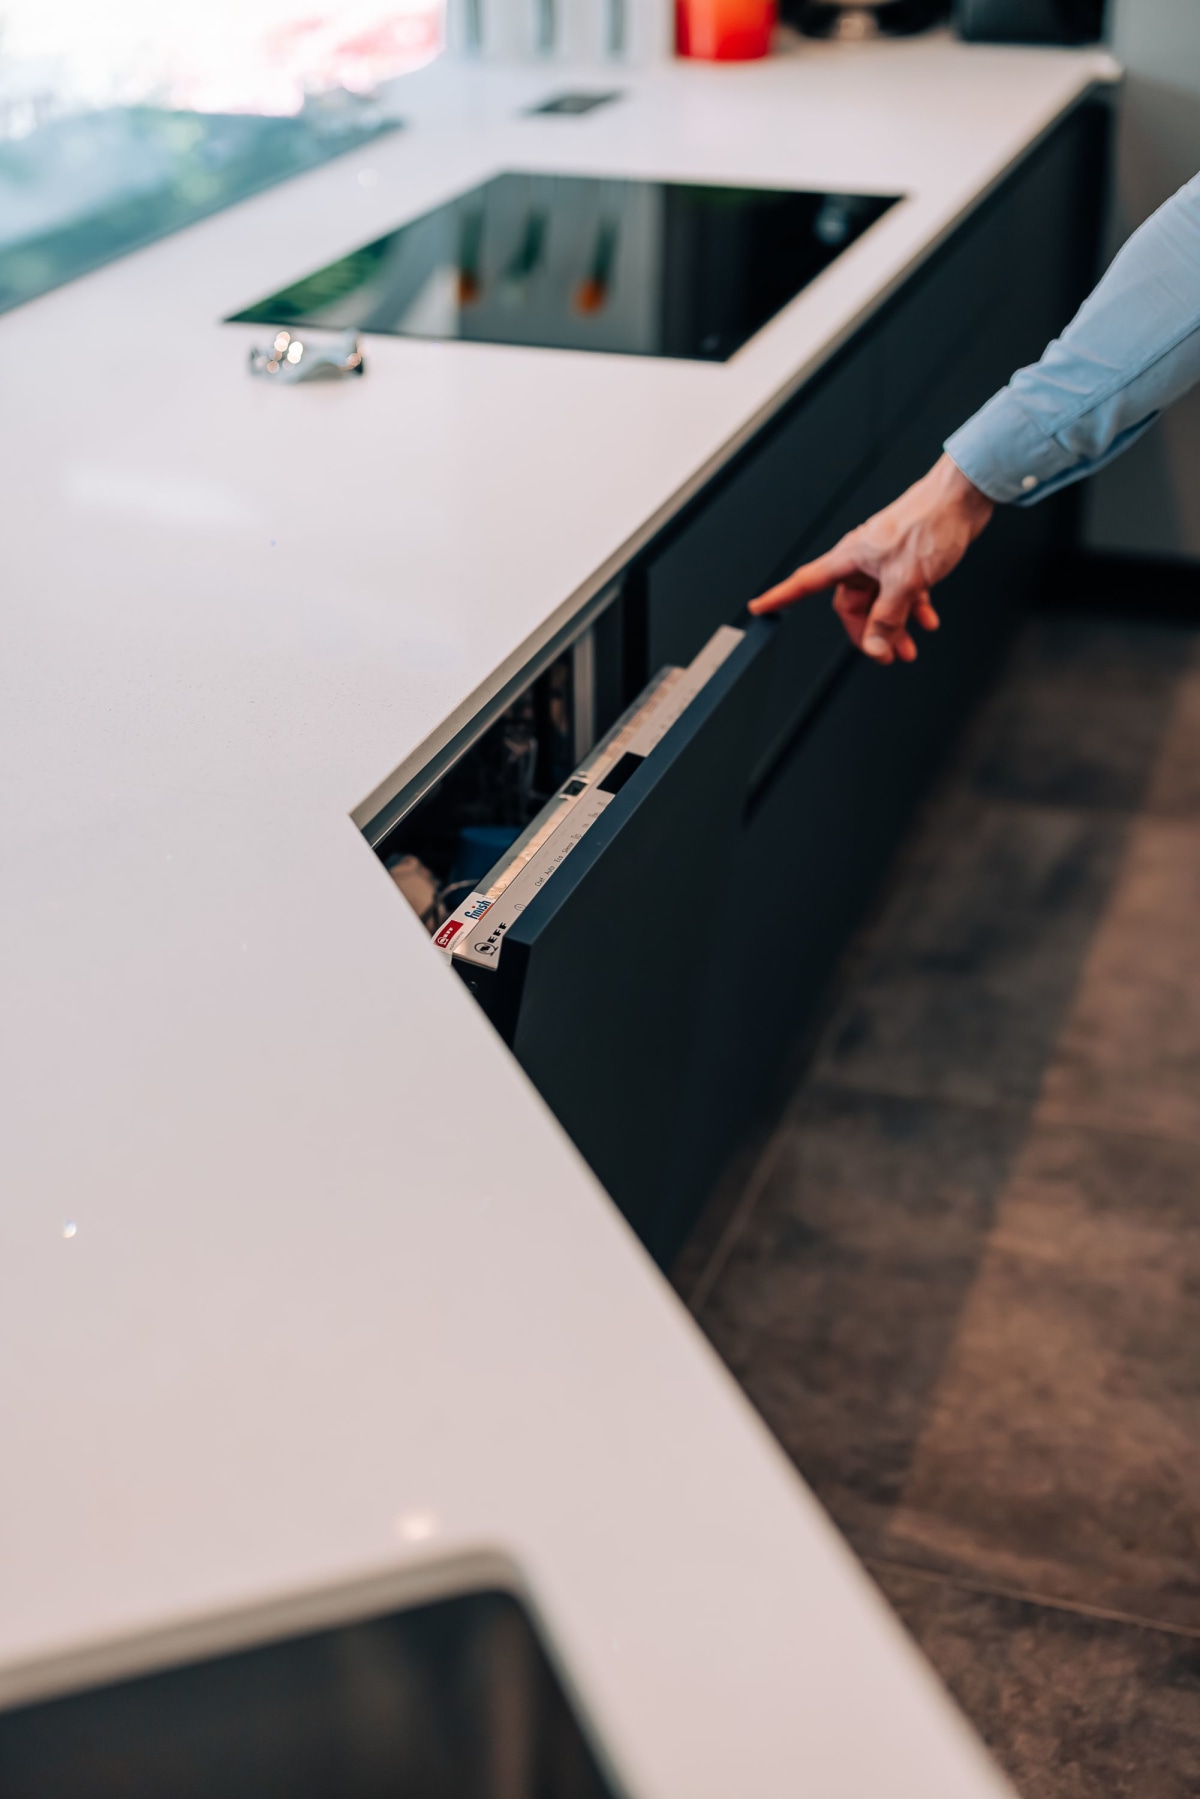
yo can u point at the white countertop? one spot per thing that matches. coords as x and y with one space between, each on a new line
334 1263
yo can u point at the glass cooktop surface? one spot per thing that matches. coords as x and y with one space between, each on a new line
570 262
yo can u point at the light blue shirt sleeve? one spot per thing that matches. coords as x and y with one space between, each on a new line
1131 349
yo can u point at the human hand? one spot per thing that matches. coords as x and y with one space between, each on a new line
882 571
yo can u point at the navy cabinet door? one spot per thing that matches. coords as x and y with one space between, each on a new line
602 977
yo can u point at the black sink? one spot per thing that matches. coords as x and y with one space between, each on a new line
451 1700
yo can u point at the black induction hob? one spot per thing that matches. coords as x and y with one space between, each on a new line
570 262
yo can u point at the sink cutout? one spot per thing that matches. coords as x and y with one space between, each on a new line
456 1699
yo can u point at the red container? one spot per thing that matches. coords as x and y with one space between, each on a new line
724 30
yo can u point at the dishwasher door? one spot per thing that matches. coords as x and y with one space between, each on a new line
601 985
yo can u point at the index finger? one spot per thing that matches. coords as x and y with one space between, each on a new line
835 565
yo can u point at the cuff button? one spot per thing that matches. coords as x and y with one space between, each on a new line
1028 483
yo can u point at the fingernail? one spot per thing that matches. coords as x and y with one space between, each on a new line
874 644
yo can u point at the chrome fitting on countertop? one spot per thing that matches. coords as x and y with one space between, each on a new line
291 359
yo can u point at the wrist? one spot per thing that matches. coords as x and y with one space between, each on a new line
958 490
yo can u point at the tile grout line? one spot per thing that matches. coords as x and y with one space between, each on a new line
1034 1111
1045 1602
1031 1112
1046 1113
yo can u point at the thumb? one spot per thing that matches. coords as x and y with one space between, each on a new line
835 565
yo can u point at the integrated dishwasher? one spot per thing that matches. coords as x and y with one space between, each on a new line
565 866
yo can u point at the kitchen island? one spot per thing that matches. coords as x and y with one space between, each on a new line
310 1306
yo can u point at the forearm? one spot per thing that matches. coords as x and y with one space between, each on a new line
1133 348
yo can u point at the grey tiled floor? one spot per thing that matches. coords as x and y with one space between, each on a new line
962 1279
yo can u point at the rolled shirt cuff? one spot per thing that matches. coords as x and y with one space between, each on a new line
1011 460
1006 455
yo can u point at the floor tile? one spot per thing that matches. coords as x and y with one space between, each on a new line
1079 716
1174 789
844 1291
964 979
1072 1707
1061 1451
962 1285
1129 1053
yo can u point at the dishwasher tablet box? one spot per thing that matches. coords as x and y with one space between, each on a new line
474 936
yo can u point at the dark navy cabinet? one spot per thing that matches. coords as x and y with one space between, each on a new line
675 964
845 748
